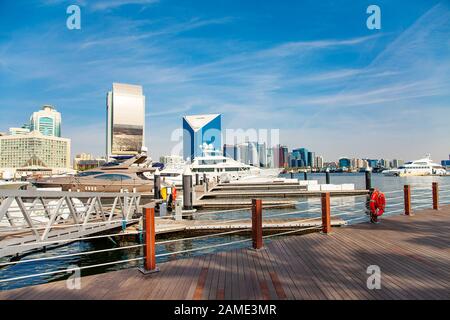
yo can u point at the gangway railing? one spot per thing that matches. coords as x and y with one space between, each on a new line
31 219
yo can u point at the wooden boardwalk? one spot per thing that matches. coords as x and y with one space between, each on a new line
413 254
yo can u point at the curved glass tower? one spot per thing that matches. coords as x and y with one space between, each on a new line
47 121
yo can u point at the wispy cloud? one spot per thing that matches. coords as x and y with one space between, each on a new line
99 5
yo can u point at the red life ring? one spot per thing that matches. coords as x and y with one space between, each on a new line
377 203
174 193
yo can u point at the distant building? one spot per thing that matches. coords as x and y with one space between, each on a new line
171 160
331 165
230 151
303 154
311 156
397 163
345 163
318 162
253 153
373 163
295 160
17 131
385 163
47 121
85 161
199 130
270 158
33 152
262 154
446 164
284 157
125 127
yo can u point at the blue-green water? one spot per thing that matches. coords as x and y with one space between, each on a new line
350 209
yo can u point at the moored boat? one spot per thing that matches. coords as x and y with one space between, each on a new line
421 167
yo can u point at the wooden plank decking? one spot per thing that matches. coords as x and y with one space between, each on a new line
413 254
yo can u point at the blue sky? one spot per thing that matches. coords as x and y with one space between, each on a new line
309 68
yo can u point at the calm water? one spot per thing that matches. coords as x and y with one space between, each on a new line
351 209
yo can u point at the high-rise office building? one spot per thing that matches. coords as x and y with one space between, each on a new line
385 163
284 156
125 127
270 158
311 157
253 154
47 121
318 162
395 163
230 151
302 154
274 156
200 131
244 156
262 154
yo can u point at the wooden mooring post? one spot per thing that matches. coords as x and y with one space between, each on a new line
326 211
257 233
407 198
435 196
149 238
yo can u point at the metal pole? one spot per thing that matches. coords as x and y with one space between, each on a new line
407 196
187 192
197 179
435 196
327 176
368 179
257 224
326 219
157 186
149 236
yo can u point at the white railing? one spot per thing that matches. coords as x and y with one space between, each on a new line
31 219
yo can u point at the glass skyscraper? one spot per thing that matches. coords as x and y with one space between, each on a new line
125 127
303 155
47 121
200 131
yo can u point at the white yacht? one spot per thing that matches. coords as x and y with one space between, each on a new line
13 185
421 167
215 165
172 174
7 182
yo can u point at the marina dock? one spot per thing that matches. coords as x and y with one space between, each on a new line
169 226
412 253
239 195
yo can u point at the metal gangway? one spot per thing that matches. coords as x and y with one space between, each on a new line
31 220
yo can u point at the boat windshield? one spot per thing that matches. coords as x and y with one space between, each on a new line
113 177
209 162
111 164
88 173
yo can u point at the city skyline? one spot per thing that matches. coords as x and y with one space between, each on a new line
372 91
